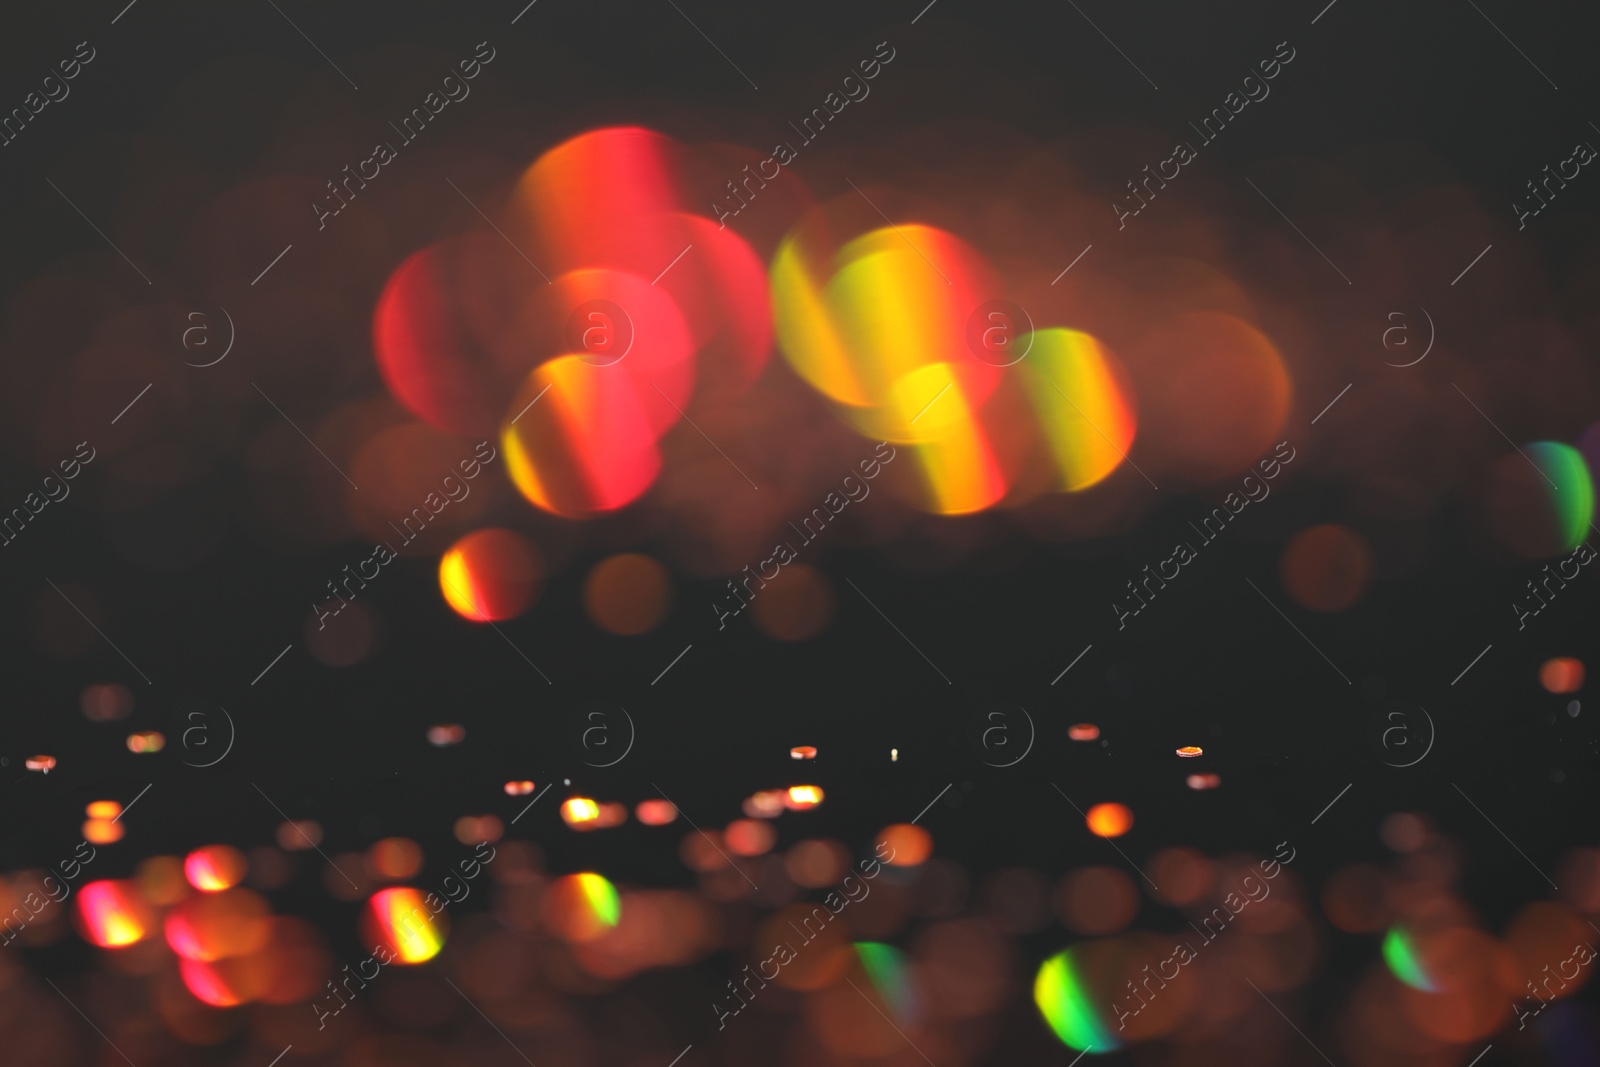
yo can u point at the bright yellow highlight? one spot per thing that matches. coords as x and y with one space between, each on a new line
402 920
1081 403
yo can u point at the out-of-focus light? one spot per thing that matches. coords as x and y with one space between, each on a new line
1063 999
519 788
1185 876
627 594
894 755
161 880
814 864
886 969
803 752
42 764
210 985
1190 751
611 814
446 734
1572 495
1083 404
1109 820
398 919
1097 900
111 914
103 809
1327 567
797 605
749 837
655 812
1199 782
582 907
146 742
1400 953
588 447
909 845
803 797
106 702
297 835
1404 831
214 868
1083 731
767 804
576 811
491 575
103 831
1564 674
220 925
393 859
477 829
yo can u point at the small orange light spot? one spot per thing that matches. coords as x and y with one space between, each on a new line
908 845
1190 751
103 809
103 831
479 829
803 797
297 835
1204 781
749 837
655 812
42 764
518 789
1562 674
1109 820
803 752
1083 731
393 859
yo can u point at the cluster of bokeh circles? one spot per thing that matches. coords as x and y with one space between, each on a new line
578 365
600 311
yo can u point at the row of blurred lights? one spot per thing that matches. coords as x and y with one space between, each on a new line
1454 982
